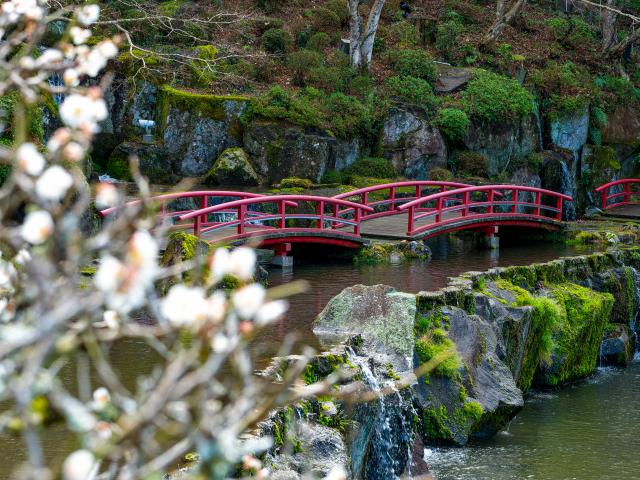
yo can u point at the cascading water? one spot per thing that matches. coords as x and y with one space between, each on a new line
56 82
390 450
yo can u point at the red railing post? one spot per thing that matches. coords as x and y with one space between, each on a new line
439 210
538 203
411 222
605 198
204 203
392 198
336 209
490 201
466 198
514 199
559 206
196 226
320 213
365 200
627 193
356 219
242 211
282 212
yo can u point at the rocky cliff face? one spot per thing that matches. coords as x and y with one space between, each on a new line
444 367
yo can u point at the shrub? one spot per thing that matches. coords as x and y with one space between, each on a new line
325 20
328 79
339 7
301 62
370 167
403 34
619 90
411 90
348 116
566 88
276 40
440 175
278 104
303 36
490 97
294 182
318 41
361 85
205 69
414 63
447 37
331 176
454 123
472 164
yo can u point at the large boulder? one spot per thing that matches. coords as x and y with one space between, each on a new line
232 168
412 144
154 162
452 79
618 347
281 151
623 127
197 128
383 316
570 131
504 143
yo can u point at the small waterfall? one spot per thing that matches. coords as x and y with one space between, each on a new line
568 187
56 81
391 446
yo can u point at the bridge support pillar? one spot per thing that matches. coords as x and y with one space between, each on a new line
489 240
281 259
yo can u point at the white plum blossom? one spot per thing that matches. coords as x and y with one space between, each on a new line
270 312
110 320
110 274
248 300
71 77
219 264
80 465
106 195
242 263
79 35
142 251
88 14
216 307
29 159
22 257
107 49
59 138
49 57
54 183
7 275
101 398
13 10
37 227
73 151
79 111
184 306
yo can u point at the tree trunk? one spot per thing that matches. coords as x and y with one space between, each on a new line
609 19
503 19
361 48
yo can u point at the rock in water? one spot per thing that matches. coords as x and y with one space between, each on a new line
383 316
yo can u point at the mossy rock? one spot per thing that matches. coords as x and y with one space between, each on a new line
233 168
183 247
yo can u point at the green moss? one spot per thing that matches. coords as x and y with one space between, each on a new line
434 424
434 342
453 122
294 182
208 106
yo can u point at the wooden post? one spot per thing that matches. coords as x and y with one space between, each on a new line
538 203
514 199
242 210
410 224
320 213
490 201
559 205
282 212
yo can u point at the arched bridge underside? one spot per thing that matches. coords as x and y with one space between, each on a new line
401 210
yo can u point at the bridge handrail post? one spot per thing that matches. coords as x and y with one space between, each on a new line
538 202
627 193
196 226
282 212
356 227
242 211
365 200
490 200
320 213
466 198
204 203
411 221
336 209
439 210
514 199
392 198
559 207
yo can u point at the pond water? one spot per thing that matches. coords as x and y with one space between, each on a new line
586 431
451 256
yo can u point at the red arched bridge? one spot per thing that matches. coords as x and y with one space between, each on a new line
402 210
621 197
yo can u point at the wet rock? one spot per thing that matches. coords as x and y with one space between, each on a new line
347 152
144 104
570 131
281 151
618 347
232 168
503 143
154 162
412 144
383 316
556 175
623 127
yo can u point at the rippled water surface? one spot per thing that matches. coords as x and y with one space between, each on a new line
588 431
450 258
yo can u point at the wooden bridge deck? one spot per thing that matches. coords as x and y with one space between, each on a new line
631 212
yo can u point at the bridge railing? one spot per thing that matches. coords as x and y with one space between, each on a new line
171 206
269 213
483 202
386 198
619 192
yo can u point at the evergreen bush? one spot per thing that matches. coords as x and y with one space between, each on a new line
453 122
276 40
414 63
